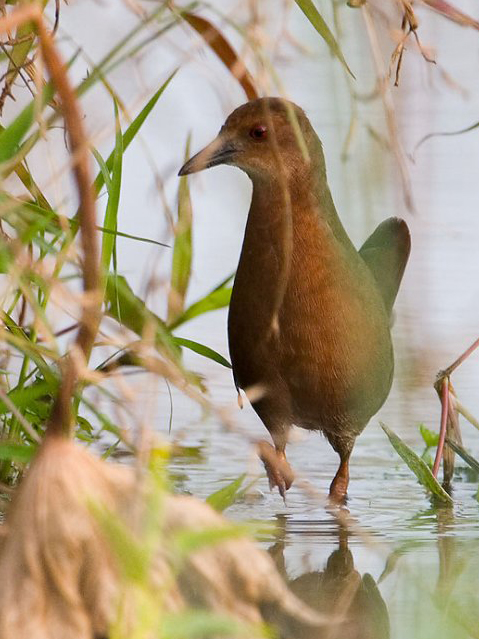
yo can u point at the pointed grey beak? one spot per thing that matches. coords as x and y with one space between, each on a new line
219 151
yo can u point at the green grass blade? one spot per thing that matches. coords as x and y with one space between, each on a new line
430 438
27 218
105 423
226 496
129 236
112 58
133 557
111 213
103 168
36 107
32 187
137 123
25 397
90 80
128 136
11 137
316 19
224 282
417 465
219 298
20 453
182 250
188 540
16 336
133 129
39 219
6 256
132 312
197 624
201 349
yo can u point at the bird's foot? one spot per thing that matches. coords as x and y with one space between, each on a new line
279 471
338 491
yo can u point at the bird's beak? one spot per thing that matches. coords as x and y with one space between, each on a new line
220 151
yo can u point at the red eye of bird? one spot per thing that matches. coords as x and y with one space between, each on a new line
258 132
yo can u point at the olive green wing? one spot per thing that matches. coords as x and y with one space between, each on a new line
386 253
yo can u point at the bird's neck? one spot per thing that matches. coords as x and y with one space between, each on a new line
281 205
289 224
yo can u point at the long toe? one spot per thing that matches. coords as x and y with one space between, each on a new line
279 472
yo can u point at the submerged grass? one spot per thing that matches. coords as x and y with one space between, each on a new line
418 466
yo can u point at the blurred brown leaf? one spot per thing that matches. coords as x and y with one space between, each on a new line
225 52
447 10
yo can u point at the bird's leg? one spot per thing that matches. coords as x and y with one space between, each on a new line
274 415
339 486
277 468
338 490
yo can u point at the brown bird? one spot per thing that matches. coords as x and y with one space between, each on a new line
309 318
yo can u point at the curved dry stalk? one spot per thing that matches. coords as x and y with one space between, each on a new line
91 312
444 386
449 410
218 43
60 420
452 13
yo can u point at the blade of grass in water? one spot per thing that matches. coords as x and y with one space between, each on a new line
417 465
462 452
203 623
226 496
22 172
430 438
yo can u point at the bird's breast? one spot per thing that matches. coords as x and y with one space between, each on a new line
327 342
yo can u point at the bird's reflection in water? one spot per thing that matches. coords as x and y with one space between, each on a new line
451 565
353 601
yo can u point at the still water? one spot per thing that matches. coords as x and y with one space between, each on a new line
425 560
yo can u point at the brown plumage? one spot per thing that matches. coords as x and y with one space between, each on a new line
309 317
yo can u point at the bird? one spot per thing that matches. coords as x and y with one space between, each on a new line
309 321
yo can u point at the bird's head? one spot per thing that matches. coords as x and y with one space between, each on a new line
262 137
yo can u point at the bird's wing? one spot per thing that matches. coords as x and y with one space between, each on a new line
386 253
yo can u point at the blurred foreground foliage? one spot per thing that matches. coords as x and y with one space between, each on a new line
40 266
